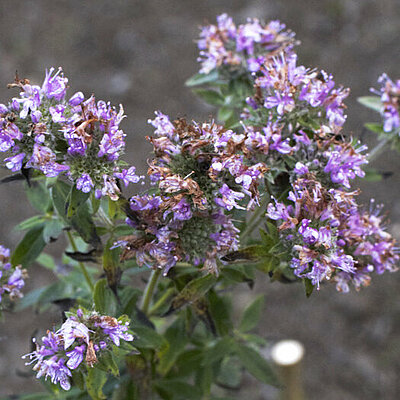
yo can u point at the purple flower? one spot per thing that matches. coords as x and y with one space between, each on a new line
55 86
75 356
76 99
84 183
128 176
15 163
71 330
182 211
229 197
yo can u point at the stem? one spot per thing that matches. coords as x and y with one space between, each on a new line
81 265
378 149
148 293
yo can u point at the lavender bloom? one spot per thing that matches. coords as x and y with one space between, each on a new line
88 333
12 279
229 197
55 86
128 176
76 99
84 183
15 163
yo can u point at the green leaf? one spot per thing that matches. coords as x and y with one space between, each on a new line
309 287
210 96
201 79
32 222
95 381
178 389
148 338
81 221
374 127
372 102
47 261
230 374
255 364
111 264
29 247
76 198
106 362
221 310
38 195
252 314
225 113
52 229
104 298
218 350
372 175
193 291
189 361
177 339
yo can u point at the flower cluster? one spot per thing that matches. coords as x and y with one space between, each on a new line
77 137
328 236
390 98
82 338
201 175
247 46
12 279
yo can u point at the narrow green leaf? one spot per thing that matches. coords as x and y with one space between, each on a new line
178 389
104 298
255 364
372 102
374 127
177 339
148 338
218 350
111 264
38 195
201 79
52 229
221 310
32 222
210 96
47 261
95 381
252 314
106 362
309 287
372 175
193 291
224 113
29 247
76 199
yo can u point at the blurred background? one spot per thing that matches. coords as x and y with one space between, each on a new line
139 53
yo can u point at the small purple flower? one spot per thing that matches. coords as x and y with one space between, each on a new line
76 99
55 86
128 176
84 183
182 211
75 356
15 163
229 197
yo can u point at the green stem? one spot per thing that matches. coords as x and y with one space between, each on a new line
378 149
81 265
148 293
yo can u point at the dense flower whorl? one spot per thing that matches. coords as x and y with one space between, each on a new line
82 338
79 137
390 98
246 46
328 237
12 279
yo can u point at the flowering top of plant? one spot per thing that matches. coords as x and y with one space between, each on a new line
12 279
82 338
77 137
244 47
390 98
327 235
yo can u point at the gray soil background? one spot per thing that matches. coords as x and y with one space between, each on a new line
139 53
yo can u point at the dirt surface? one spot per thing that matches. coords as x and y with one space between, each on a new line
139 53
